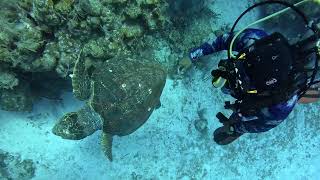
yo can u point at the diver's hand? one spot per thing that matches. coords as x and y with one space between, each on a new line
184 64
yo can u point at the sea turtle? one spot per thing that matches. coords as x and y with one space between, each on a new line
121 94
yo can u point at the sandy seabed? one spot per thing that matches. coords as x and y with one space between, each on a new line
168 146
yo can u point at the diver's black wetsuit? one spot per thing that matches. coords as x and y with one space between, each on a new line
266 118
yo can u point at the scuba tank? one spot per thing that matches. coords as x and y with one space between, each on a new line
234 71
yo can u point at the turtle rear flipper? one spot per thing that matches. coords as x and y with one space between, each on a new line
106 144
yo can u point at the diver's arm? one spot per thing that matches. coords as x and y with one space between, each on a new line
207 48
221 43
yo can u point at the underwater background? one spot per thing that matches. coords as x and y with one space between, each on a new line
44 42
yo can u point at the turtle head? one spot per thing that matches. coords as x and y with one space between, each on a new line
69 127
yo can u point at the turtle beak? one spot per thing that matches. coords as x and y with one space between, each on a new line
55 130
58 130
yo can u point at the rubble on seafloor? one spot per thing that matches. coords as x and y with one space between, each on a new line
13 167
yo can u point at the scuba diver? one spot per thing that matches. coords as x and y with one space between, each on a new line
267 77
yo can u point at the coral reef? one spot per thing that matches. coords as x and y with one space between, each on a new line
18 99
40 37
41 40
12 167
191 26
290 18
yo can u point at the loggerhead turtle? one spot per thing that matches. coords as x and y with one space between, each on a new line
121 94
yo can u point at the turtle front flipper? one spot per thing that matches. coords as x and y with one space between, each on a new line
106 144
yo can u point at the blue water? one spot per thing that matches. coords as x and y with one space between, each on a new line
168 146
